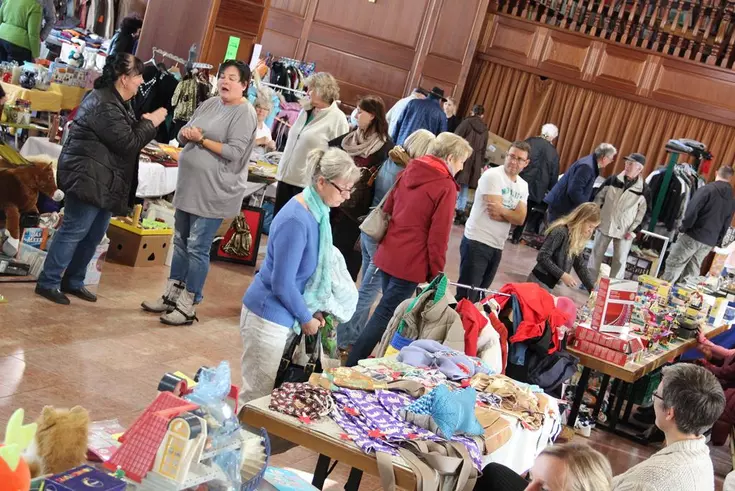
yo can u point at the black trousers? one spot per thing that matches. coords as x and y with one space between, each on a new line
477 267
497 476
13 52
284 192
345 234
534 218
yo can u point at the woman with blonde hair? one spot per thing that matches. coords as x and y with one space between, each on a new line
320 121
415 146
565 241
566 467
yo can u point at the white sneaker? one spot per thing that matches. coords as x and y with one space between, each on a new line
166 302
184 314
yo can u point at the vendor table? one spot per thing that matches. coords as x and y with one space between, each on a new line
323 437
626 376
154 180
56 99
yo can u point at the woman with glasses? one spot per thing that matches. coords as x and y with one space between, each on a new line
276 305
213 173
368 145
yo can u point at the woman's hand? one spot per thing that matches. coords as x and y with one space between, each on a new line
157 117
195 134
312 327
569 280
271 145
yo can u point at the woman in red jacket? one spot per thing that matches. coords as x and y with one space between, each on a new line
414 248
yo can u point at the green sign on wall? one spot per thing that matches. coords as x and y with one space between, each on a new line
232 46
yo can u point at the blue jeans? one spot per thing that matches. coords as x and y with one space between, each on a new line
192 243
478 264
348 332
462 196
395 291
73 245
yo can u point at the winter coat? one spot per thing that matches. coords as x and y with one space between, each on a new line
20 24
99 161
623 205
420 114
709 213
329 123
542 171
429 319
421 208
553 260
575 187
474 130
121 42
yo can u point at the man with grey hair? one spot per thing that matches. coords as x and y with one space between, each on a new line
687 403
707 218
395 112
541 175
575 186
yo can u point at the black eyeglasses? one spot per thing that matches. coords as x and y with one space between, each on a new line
657 396
344 192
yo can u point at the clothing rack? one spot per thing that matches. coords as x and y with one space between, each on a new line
280 87
177 59
477 289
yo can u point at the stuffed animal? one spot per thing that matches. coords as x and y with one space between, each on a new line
19 188
61 441
14 473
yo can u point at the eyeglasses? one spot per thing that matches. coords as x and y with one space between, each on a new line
515 158
657 396
344 192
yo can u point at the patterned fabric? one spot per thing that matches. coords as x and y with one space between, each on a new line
452 412
301 400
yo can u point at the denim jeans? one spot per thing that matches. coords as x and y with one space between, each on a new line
74 244
462 196
478 265
395 291
348 332
192 243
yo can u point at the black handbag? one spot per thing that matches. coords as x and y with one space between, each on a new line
288 371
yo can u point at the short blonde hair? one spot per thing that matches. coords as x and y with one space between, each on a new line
448 144
587 469
417 144
325 85
332 163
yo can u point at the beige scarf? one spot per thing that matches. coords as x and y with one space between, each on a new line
357 144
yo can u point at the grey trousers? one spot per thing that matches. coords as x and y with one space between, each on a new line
685 259
621 249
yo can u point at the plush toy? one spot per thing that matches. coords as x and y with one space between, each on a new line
14 473
61 441
19 188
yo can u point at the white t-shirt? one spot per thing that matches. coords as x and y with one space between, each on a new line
262 131
482 228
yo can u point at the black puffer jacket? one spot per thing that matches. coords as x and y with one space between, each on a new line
542 171
99 162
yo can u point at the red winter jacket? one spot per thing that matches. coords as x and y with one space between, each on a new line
421 207
473 322
537 305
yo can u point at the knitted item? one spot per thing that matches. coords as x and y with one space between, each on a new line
452 412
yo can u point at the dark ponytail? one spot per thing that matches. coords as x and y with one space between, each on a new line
116 66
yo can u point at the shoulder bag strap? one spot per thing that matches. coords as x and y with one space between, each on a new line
385 470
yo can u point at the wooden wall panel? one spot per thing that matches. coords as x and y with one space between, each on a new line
442 68
239 15
284 23
218 46
362 46
280 44
454 29
395 21
635 74
297 7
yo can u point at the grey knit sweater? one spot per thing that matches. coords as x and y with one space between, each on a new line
681 466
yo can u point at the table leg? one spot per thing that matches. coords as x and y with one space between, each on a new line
353 482
578 395
321 471
600 396
620 398
628 406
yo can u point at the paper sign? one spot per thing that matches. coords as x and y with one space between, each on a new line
232 46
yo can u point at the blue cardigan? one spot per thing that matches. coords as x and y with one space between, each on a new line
277 291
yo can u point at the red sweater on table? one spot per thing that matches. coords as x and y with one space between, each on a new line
421 207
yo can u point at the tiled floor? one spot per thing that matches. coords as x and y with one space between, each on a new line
109 356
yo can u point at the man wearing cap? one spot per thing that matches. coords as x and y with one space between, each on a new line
623 202
426 114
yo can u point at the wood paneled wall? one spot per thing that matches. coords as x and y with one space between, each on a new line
384 48
635 74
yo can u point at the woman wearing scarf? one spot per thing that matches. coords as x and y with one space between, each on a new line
368 145
299 281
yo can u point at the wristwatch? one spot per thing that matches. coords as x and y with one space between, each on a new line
201 142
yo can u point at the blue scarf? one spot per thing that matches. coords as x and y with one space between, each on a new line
319 287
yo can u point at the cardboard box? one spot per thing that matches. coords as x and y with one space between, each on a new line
135 250
166 215
84 478
498 430
497 148
36 237
616 357
614 305
624 344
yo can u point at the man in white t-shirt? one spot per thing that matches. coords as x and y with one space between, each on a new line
500 201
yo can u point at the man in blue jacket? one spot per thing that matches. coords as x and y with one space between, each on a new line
426 114
575 187
707 218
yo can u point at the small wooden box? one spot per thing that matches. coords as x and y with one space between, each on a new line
131 248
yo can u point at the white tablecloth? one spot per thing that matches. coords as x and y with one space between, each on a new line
154 180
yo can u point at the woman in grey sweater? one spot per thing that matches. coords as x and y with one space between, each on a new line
211 186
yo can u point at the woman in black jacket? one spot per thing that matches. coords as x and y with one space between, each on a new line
98 172
565 242
368 145
124 39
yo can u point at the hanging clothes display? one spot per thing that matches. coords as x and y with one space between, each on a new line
684 182
156 91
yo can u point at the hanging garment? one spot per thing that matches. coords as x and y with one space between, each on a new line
473 322
502 332
184 99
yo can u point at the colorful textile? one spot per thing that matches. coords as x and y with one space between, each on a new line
432 354
301 400
518 401
453 412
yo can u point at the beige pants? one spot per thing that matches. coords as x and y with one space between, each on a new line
263 343
621 249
